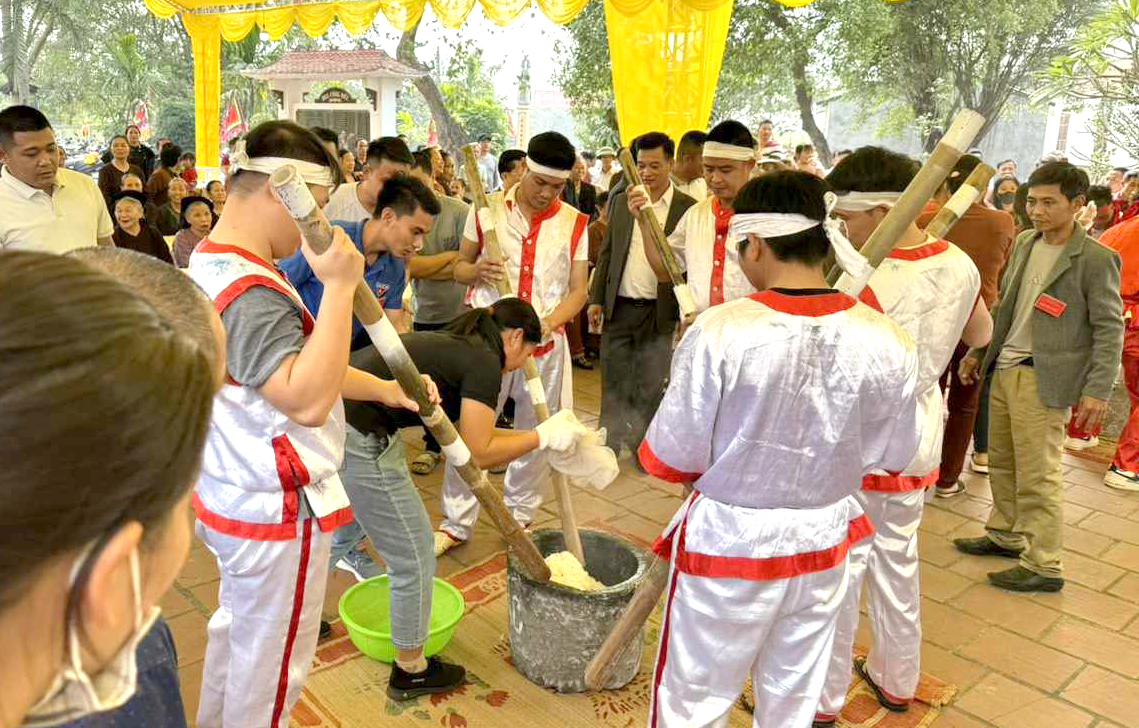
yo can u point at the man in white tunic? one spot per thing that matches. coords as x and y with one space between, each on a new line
778 403
932 289
545 252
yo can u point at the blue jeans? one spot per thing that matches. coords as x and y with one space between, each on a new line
391 513
981 424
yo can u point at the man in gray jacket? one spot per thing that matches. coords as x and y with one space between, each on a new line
1057 341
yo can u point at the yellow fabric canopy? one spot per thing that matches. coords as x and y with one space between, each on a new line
666 54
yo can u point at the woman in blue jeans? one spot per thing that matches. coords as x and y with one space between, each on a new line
466 360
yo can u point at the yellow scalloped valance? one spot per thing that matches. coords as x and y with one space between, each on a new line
666 54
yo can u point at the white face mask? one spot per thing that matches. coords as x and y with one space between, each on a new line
73 693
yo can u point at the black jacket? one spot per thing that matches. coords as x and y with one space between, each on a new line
615 252
585 199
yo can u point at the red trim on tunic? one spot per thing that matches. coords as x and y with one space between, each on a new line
336 519
823 304
290 470
243 529
761 569
656 467
544 348
579 227
530 249
239 286
723 216
928 250
208 246
294 625
867 296
898 483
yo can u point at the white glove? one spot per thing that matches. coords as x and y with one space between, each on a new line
561 432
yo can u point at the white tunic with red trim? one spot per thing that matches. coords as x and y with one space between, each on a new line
700 242
257 461
930 291
538 255
776 406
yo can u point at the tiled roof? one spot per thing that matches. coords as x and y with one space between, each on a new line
347 63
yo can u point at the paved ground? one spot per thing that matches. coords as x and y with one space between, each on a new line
1067 660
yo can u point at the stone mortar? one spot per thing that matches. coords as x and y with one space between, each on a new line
555 630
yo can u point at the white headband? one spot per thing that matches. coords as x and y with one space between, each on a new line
544 170
777 224
728 151
863 201
310 172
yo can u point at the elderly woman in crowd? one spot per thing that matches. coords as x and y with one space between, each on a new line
197 221
167 217
133 232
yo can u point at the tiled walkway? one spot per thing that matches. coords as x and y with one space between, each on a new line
1067 660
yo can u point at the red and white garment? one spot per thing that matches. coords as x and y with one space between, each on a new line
701 244
930 291
767 532
257 461
272 544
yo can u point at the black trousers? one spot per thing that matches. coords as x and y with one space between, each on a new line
635 361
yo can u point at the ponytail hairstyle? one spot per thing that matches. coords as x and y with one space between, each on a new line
484 326
282 138
104 410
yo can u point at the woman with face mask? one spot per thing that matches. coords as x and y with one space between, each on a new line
99 465
1004 192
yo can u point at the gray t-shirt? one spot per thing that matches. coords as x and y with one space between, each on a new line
438 302
262 327
1018 343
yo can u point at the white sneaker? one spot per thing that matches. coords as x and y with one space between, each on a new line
444 542
1078 443
1121 479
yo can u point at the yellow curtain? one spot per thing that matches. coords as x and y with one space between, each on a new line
205 42
666 57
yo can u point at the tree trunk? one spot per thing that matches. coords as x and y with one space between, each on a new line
803 96
452 135
806 101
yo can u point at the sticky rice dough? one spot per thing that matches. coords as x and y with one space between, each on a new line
566 570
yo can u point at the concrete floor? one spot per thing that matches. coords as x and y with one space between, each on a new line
1066 660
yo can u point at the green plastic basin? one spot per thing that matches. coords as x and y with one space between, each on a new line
366 611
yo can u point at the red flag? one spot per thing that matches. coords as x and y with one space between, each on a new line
142 120
232 124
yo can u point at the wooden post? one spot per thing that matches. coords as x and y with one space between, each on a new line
656 234
909 206
969 192
295 195
493 251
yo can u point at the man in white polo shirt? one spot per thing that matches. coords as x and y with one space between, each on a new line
45 207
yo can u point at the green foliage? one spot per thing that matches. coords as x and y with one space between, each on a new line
933 57
412 117
468 92
1102 66
176 120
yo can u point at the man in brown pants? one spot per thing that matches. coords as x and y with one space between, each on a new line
986 236
1057 343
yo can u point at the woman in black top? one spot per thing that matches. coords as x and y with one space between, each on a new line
111 173
466 360
140 155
